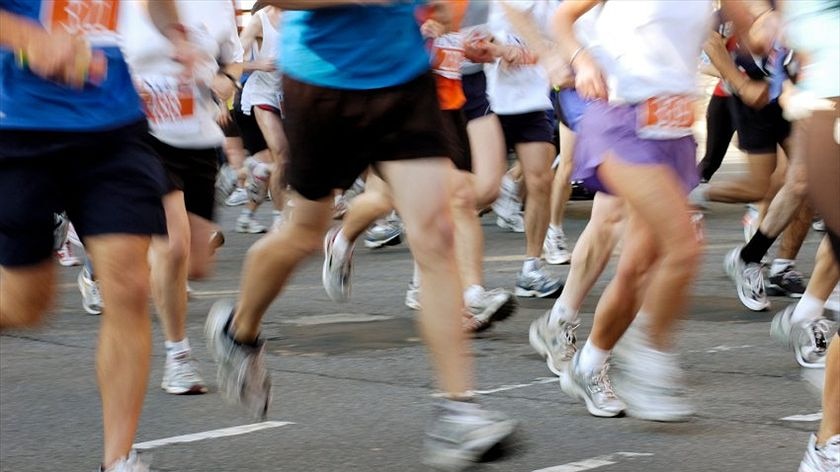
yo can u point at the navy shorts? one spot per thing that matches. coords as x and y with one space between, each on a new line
475 89
109 182
533 127
759 131
455 129
192 171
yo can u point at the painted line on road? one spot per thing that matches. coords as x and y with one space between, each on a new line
812 417
212 434
504 388
333 318
721 348
594 462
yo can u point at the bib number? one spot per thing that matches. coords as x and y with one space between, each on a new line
447 55
169 105
95 19
665 117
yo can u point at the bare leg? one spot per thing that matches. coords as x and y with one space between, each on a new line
469 238
26 293
169 257
750 188
125 338
272 131
561 186
830 424
374 203
487 146
536 165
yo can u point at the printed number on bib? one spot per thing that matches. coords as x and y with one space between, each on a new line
169 105
447 55
665 117
95 19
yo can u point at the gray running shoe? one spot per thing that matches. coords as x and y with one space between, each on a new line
649 381
538 283
132 463
89 288
455 440
594 388
555 248
749 280
241 375
491 307
513 222
226 184
237 198
383 233
787 283
247 224
808 340
412 296
554 341
336 274
181 377
823 459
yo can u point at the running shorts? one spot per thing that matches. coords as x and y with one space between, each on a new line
533 127
192 171
455 130
109 182
759 131
475 89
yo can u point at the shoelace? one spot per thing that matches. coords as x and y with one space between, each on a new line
185 369
820 331
755 279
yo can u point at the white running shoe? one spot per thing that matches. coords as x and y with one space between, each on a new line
383 233
538 283
132 463
237 198
822 459
514 222
89 288
490 307
67 256
555 248
593 388
336 274
241 375
818 225
808 340
181 377
555 342
648 380
247 224
412 297
225 183
749 280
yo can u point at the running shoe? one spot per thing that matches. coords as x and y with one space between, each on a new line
181 377
750 222
593 388
808 340
648 380
491 306
226 185
822 459
555 342
383 233
241 372
555 248
749 280
237 198
132 463
412 296
455 440
217 240
67 256
247 224
818 225
514 222
336 274
89 288
538 283
61 228
340 206
697 197
787 283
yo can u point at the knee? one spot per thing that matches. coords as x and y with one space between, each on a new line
684 255
130 286
538 183
435 241
463 197
486 194
28 312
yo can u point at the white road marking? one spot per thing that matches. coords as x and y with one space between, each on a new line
504 388
812 417
594 462
212 434
335 318
722 348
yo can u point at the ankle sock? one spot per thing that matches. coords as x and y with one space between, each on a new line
757 247
779 265
531 264
592 358
561 312
173 348
472 294
808 308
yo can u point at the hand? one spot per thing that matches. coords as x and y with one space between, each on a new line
754 93
432 29
716 48
560 75
589 81
480 51
224 117
222 87
59 57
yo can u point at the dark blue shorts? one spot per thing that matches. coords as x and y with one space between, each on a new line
109 182
475 89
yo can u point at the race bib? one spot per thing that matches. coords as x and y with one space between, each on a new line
169 104
668 117
447 55
96 20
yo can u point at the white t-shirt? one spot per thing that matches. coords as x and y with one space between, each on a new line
182 113
523 89
651 48
264 88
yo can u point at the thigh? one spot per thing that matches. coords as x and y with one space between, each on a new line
419 209
272 130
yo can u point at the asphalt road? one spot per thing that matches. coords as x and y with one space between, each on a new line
353 387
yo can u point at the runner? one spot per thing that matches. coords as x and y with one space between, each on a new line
380 112
72 138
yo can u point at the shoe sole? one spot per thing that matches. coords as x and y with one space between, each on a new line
558 261
459 459
392 241
572 389
525 293
503 312
336 296
537 343
774 290
194 390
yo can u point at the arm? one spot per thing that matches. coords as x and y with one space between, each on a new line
755 21
249 37
755 93
316 4
589 81
523 23
164 15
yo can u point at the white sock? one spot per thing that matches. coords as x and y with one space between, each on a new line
174 348
592 358
557 229
780 264
341 245
472 293
562 312
531 264
415 278
808 308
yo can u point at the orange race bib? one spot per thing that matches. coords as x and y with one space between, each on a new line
447 55
669 117
169 105
95 19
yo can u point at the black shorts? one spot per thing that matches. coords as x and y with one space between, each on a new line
533 127
192 171
455 130
759 131
252 138
475 89
334 134
109 182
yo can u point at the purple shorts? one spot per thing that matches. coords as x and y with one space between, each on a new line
605 128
